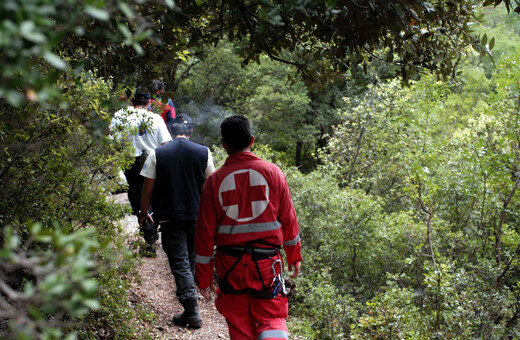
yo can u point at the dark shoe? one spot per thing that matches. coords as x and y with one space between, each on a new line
191 316
191 321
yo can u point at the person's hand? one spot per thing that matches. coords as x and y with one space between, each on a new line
145 217
296 268
206 292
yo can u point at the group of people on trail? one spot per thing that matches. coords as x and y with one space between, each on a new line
233 221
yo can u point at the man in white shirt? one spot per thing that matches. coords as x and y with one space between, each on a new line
146 131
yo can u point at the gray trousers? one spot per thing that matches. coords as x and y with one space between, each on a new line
178 242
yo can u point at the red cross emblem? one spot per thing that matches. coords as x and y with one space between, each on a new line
244 194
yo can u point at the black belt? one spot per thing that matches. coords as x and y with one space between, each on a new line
257 253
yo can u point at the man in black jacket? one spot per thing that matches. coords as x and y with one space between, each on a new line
174 176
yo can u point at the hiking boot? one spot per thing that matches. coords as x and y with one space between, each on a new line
191 316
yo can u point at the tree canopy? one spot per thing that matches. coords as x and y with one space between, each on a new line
121 38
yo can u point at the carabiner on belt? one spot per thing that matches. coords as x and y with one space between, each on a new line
278 279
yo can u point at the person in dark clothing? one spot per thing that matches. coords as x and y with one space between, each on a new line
174 176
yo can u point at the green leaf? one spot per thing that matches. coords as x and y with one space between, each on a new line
55 61
12 239
124 29
143 35
29 32
126 10
5 253
89 286
71 336
91 303
97 13
138 48
45 236
35 228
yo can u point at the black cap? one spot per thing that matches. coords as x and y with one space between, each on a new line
142 95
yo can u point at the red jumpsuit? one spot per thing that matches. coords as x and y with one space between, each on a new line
166 111
246 201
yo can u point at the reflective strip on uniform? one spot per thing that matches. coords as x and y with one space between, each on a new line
273 334
248 228
203 259
292 242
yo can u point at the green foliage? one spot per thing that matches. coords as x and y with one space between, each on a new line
391 315
429 247
372 133
276 102
39 39
332 36
502 31
410 228
348 231
58 166
53 164
214 76
118 316
328 313
278 107
58 283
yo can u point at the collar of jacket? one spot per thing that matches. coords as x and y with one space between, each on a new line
241 157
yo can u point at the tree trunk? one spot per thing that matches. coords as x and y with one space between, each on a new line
298 155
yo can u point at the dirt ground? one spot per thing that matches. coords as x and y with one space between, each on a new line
157 289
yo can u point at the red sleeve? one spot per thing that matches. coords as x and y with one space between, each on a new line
205 236
168 113
287 217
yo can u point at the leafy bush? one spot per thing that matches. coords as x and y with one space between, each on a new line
48 281
57 167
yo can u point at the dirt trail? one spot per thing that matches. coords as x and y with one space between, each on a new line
157 289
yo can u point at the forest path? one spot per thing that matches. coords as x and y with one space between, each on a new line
157 289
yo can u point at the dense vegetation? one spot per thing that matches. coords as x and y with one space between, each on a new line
406 195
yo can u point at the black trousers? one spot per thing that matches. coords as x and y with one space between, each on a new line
178 242
135 187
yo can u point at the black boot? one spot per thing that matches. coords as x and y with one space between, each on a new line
191 317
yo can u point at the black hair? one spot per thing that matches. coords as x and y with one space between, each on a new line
157 86
183 119
141 98
178 129
236 132
181 125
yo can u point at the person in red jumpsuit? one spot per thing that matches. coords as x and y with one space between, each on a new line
246 211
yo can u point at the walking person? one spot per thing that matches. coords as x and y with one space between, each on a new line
146 131
247 212
163 107
175 174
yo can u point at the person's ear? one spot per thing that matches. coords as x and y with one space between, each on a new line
252 141
224 145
